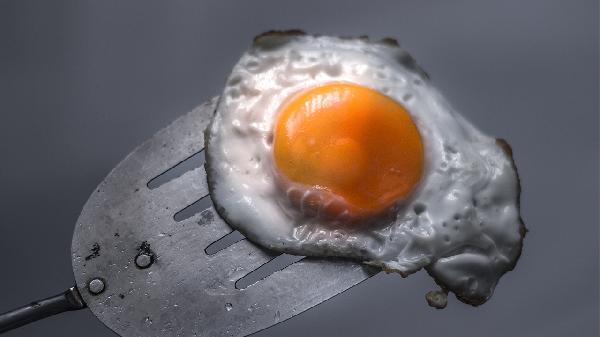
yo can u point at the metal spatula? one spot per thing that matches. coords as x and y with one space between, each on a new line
141 261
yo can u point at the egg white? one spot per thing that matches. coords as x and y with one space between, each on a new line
461 222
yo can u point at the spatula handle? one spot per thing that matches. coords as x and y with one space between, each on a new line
67 301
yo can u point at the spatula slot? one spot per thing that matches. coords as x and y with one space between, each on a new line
224 242
192 162
193 209
274 265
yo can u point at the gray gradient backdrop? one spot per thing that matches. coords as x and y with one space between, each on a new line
83 82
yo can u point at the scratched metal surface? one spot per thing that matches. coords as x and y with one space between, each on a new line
185 292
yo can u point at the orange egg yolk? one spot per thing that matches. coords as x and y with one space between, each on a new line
351 141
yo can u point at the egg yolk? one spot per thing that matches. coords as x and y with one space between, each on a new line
351 141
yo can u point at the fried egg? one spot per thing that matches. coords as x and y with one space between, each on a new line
328 146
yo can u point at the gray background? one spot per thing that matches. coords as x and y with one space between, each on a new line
83 82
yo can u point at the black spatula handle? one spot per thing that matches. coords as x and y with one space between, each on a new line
67 301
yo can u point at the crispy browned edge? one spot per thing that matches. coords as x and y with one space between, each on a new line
407 60
522 231
276 33
298 32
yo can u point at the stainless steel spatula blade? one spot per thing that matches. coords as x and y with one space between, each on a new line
143 273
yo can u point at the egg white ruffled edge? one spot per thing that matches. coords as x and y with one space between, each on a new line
281 37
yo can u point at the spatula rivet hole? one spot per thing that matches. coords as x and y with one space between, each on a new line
96 286
143 261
